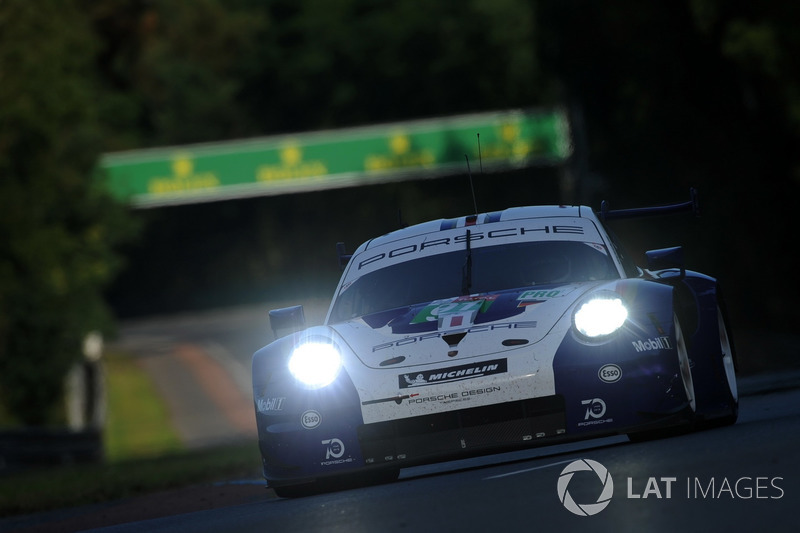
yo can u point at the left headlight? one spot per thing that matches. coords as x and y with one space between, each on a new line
315 364
600 315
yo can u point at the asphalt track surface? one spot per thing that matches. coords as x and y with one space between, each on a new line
744 477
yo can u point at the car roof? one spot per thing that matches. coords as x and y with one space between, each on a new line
512 213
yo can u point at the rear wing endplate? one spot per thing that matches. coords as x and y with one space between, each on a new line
692 205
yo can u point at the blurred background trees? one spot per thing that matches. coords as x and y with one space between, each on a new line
663 95
57 225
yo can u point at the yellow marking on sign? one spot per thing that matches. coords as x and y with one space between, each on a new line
399 144
182 167
509 132
292 167
291 156
183 178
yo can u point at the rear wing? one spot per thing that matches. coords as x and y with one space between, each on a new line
692 205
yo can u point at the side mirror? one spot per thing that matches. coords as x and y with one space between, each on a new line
666 259
289 318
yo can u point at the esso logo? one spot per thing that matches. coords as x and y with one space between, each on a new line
310 419
609 373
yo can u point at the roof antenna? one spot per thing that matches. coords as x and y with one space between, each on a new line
480 157
474 201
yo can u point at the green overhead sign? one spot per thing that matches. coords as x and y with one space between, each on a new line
338 158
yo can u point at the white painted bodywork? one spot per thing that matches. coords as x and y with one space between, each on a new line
542 326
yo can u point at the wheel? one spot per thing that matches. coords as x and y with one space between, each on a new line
729 369
685 365
726 361
685 372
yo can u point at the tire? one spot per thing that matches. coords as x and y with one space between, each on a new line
686 379
726 361
729 370
685 365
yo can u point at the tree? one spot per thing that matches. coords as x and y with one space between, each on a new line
703 93
58 226
171 72
335 63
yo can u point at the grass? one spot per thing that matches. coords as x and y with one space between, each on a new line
67 486
143 455
138 423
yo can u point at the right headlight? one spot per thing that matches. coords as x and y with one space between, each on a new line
315 364
600 315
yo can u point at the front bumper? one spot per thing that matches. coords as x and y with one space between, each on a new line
466 431
580 402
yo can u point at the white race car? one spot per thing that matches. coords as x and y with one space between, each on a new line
487 333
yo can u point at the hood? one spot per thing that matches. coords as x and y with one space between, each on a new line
456 329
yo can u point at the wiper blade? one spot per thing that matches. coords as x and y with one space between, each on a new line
466 270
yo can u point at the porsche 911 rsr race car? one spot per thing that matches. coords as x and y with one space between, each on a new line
487 333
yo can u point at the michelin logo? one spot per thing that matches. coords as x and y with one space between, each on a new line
453 373
659 343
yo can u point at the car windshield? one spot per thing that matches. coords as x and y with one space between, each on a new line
481 270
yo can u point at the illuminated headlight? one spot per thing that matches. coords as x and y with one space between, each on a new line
600 315
315 364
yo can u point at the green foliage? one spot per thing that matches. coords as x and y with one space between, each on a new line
188 71
761 40
332 63
700 93
57 223
175 72
35 491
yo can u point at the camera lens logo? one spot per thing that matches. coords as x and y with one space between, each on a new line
585 509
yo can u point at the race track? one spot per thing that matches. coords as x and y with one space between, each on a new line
739 478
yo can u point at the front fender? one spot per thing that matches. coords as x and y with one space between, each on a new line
630 377
302 433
